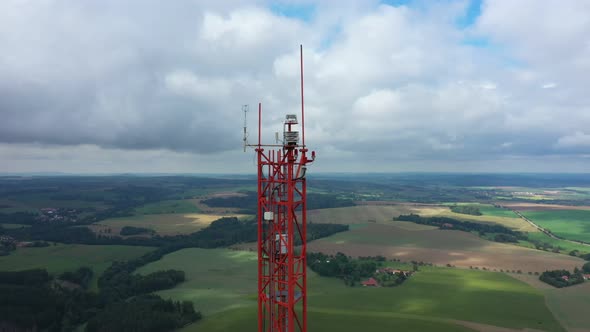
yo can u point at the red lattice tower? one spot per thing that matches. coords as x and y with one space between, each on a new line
282 221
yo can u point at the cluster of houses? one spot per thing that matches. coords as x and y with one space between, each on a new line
7 240
57 215
371 282
585 276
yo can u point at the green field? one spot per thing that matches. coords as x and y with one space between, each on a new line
566 245
222 283
217 279
174 206
571 305
490 298
490 210
487 209
569 224
244 319
69 257
400 233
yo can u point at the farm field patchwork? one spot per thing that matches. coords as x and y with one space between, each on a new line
490 214
440 247
69 257
163 224
363 214
223 285
569 224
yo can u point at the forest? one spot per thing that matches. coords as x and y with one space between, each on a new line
32 299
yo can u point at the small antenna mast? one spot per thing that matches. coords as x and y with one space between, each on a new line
245 109
302 101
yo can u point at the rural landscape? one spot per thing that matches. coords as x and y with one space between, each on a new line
295 166
417 252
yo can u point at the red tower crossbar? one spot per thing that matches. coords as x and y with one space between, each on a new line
282 220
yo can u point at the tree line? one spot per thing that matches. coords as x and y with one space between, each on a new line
222 232
466 209
248 203
503 234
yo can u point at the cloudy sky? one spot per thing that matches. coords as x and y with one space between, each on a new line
157 86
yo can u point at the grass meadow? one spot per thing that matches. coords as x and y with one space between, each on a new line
244 319
217 279
570 305
69 257
222 283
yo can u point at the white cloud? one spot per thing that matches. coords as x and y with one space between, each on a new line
506 145
575 140
488 86
186 83
171 78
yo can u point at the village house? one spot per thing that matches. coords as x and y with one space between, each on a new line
371 282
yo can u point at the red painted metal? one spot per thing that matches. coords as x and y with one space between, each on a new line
282 219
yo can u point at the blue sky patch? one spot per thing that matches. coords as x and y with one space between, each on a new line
303 12
476 42
396 3
471 14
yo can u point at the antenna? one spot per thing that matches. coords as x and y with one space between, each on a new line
302 107
245 109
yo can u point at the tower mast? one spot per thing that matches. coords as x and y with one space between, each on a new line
282 227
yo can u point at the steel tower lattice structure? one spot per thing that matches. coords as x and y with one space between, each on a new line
282 226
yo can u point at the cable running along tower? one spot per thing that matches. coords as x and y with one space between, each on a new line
282 230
